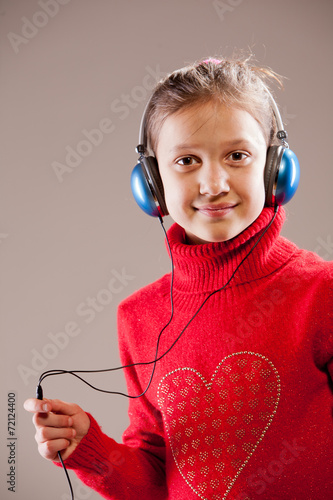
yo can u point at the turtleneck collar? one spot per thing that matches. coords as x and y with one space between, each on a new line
207 267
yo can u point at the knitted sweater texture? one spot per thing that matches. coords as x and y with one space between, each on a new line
241 406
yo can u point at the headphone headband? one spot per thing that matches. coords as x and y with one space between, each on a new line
142 131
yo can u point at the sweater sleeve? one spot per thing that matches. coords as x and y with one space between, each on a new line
117 471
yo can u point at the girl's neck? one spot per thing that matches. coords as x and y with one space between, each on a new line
203 268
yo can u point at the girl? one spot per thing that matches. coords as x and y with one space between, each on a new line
240 402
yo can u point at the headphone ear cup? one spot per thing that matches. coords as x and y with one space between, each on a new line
271 170
147 187
282 173
288 177
151 169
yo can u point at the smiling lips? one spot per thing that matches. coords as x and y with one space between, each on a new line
216 211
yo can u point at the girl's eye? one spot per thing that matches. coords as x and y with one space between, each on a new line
187 161
237 156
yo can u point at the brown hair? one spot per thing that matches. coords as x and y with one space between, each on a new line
234 82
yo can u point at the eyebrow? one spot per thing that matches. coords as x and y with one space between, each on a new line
230 144
181 147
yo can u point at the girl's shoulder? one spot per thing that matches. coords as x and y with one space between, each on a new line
311 275
148 295
312 265
308 263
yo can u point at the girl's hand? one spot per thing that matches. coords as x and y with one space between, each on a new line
59 426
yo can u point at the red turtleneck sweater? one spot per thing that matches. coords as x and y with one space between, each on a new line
241 407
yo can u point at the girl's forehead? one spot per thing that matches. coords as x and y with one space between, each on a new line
209 109
208 120
211 113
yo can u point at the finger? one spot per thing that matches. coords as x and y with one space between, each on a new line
64 408
43 406
52 420
50 449
36 405
44 434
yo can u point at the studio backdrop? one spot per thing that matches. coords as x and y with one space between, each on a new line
75 77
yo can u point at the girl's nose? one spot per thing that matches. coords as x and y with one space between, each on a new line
214 180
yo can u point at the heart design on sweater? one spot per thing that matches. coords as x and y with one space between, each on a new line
215 427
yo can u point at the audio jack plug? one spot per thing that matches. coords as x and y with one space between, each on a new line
39 392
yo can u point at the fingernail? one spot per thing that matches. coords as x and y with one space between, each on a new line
46 407
70 422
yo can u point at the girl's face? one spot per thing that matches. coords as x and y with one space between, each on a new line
211 159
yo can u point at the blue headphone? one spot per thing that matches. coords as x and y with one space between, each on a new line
281 175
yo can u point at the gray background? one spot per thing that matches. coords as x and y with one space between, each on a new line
62 242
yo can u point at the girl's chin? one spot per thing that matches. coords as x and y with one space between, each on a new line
218 231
